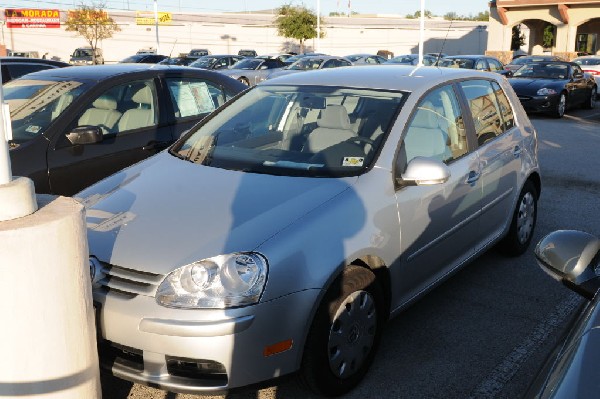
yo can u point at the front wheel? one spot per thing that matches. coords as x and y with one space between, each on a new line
590 103
345 333
523 222
561 106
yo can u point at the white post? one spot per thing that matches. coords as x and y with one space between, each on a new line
5 169
318 26
422 33
156 25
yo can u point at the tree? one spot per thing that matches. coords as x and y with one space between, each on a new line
298 22
548 37
518 38
451 16
92 23
417 14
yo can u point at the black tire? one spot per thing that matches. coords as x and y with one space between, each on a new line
561 106
523 222
244 81
335 358
590 102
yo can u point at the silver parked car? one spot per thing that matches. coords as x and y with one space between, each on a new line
251 71
573 258
282 232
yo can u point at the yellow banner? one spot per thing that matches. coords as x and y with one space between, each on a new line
147 18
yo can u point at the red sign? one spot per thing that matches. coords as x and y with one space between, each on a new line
31 18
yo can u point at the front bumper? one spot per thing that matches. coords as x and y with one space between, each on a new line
205 350
539 103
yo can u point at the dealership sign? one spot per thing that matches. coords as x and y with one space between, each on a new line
147 18
31 18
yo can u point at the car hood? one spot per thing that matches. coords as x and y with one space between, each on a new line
284 72
526 85
164 213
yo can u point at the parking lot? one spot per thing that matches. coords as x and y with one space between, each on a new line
485 332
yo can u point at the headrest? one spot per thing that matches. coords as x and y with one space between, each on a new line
143 96
334 117
105 102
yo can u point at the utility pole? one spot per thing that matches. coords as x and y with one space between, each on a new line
156 25
422 33
318 26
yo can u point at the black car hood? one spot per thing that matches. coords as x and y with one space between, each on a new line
532 85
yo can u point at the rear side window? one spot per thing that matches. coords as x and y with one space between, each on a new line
490 109
194 97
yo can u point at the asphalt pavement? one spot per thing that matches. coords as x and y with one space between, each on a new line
484 332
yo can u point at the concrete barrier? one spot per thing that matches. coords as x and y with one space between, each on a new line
48 338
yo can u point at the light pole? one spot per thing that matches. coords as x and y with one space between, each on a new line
422 33
156 25
318 26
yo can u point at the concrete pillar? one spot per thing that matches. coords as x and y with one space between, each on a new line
48 339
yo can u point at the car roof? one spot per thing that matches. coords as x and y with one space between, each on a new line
12 60
323 57
101 72
470 56
388 76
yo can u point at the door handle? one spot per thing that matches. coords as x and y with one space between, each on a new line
473 177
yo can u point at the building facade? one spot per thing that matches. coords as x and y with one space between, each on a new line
228 33
565 28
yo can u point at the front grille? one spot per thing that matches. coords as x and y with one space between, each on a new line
128 281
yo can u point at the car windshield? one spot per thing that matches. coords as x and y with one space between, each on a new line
587 61
354 57
305 64
247 64
35 104
133 58
402 59
203 62
295 131
464 63
527 60
82 53
543 70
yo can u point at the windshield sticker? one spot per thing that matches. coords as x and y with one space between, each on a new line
353 161
32 129
193 98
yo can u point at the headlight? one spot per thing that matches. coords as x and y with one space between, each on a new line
221 282
545 92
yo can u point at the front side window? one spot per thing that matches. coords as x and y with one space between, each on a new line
194 97
484 108
296 130
35 104
123 108
436 129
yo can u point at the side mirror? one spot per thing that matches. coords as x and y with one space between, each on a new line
577 75
263 67
571 257
423 171
85 135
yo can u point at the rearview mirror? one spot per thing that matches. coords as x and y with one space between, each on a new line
85 135
571 257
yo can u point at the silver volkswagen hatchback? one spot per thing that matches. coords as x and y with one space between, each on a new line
283 231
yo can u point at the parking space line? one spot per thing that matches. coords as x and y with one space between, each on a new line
506 370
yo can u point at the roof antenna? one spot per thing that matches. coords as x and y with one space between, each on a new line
444 43
172 47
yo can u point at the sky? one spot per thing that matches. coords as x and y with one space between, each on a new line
401 7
